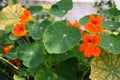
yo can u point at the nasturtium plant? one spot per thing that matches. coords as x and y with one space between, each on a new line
36 45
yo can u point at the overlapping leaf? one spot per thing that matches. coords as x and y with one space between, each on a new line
35 10
36 30
10 15
60 8
105 67
47 74
111 43
112 12
59 38
31 54
111 25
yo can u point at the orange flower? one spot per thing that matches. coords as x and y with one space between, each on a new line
97 20
94 24
90 45
75 24
7 49
19 30
25 16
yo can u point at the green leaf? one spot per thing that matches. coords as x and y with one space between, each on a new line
110 25
58 57
10 15
112 12
36 30
111 43
12 54
60 8
59 38
31 54
105 67
47 74
16 77
35 10
84 20
68 69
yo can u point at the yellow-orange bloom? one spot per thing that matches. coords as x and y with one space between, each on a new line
25 16
75 24
7 49
94 26
90 45
19 30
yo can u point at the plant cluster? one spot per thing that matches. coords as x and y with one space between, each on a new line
34 46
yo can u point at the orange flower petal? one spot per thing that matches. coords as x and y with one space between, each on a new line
25 16
7 49
99 19
75 24
86 38
95 20
19 30
96 51
88 52
99 28
82 47
96 39
92 19
91 28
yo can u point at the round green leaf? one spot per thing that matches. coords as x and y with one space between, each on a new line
60 8
84 20
31 54
105 67
112 12
36 30
110 25
111 43
59 38
35 10
55 10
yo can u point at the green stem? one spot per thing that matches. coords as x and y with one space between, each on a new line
84 74
9 63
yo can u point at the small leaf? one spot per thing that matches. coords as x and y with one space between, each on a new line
36 30
16 77
35 10
12 54
112 12
59 38
110 25
111 43
84 20
31 54
60 8
105 67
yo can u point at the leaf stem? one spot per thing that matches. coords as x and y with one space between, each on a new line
1 58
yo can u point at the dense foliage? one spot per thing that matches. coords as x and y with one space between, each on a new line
34 46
